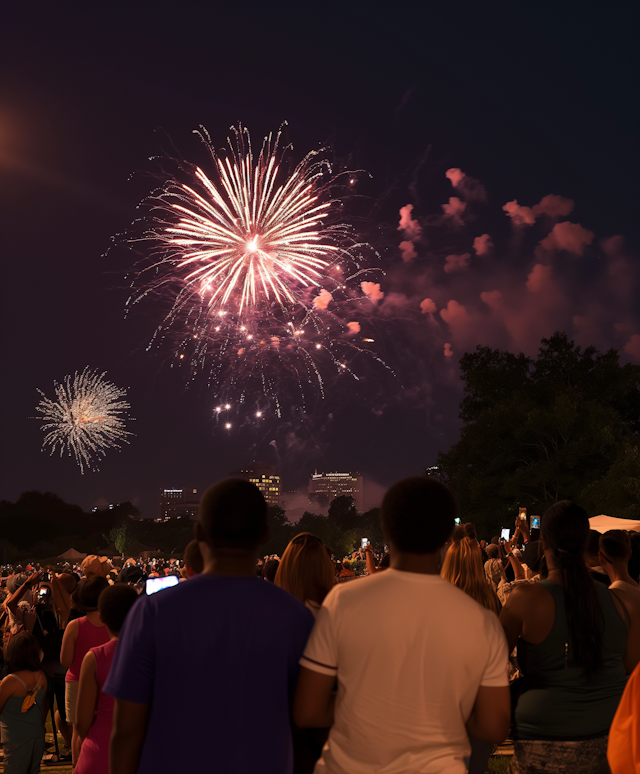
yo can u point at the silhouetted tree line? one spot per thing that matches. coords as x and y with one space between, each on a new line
42 525
563 425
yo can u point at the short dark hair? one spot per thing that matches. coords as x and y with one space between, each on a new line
418 514
615 544
114 605
23 653
87 593
193 558
233 513
269 569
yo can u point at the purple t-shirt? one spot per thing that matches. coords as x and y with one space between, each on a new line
217 659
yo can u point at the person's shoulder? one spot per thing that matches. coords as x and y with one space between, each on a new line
279 598
528 593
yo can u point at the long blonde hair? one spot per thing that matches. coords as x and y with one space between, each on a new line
306 570
463 567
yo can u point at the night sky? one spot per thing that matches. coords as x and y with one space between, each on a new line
527 99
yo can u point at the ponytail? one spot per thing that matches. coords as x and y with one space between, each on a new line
565 528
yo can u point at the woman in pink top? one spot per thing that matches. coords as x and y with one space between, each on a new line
80 636
94 709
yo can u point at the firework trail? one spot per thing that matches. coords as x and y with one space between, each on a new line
87 417
261 279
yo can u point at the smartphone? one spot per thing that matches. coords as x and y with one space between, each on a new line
157 584
522 514
535 522
504 534
457 521
364 542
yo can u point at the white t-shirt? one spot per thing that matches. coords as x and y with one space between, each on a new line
410 652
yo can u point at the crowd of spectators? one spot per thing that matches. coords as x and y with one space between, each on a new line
421 657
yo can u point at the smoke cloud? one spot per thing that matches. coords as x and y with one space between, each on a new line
454 209
482 244
408 251
411 228
520 216
553 206
456 262
470 188
322 300
372 291
632 347
354 327
455 175
568 236
522 290
427 306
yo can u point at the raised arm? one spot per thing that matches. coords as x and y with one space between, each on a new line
11 602
368 557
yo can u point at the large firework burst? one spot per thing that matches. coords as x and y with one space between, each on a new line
87 417
261 276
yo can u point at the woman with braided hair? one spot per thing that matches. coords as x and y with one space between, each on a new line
577 642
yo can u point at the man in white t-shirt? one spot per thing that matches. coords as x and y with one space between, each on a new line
420 665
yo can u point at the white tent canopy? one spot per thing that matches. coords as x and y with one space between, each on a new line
604 523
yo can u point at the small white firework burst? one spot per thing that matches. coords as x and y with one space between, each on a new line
87 417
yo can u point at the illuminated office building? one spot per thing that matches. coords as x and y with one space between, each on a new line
264 477
181 503
325 487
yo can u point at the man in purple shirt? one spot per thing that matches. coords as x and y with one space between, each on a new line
197 663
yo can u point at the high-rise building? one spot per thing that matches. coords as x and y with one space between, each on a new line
179 502
264 477
324 487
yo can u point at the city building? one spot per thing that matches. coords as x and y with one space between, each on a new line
264 477
181 503
324 487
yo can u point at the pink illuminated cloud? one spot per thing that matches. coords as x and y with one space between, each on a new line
612 246
448 352
322 300
454 209
553 206
427 306
412 229
470 188
632 347
354 327
520 216
568 236
491 298
408 251
372 291
539 278
482 244
456 262
455 314
455 175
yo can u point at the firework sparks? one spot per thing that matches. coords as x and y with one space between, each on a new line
87 417
257 267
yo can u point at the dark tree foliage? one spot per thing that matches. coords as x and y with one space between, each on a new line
41 525
539 430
